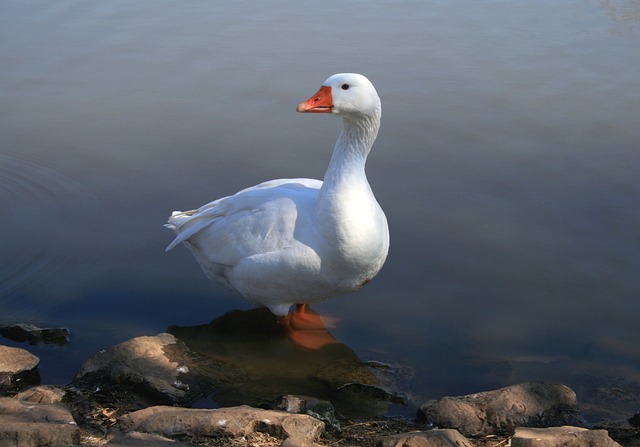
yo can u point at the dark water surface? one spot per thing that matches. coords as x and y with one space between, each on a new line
508 165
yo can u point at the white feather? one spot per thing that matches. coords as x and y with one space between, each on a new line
299 240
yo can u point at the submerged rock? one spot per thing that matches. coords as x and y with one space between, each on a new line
532 404
26 424
248 359
565 436
17 369
366 389
34 334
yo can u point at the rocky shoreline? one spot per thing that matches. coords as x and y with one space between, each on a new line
155 390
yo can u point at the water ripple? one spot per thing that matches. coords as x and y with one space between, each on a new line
36 197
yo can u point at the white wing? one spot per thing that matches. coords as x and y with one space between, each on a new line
256 220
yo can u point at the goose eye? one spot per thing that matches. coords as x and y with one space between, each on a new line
345 87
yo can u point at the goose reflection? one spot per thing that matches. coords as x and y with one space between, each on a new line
248 358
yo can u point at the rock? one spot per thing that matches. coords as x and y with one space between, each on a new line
364 389
138 373
561 437
498 412
17 368
43 394
623 431
34 334
152 364
231 422
33 425
247 358
136 439
430 438
16 360
317 408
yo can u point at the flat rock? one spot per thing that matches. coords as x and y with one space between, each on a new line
25 424
533 404
43 394
233 422
156 364
34 334
565 436
135 439
17 368
430 438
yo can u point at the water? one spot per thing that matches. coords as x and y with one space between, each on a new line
507 165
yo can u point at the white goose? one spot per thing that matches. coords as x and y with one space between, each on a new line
299 241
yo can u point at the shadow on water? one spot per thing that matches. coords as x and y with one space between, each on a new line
247 358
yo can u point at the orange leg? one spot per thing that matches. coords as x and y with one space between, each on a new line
306 328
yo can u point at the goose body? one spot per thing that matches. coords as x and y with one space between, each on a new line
299 241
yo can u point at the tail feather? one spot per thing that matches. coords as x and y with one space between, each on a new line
179 219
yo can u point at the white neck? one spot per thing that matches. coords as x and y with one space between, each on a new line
351 151
349 219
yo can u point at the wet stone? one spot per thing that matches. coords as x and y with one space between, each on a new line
624 431
17 369
34 335
248 359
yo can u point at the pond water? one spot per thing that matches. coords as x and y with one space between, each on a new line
507 165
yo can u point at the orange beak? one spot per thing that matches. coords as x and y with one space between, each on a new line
321 102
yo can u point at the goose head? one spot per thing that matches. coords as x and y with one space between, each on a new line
344 94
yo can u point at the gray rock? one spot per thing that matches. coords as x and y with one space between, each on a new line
156 363
430 438
317 408
231 422
43 394
16 360
136 439
498 412
34 334
25 424
561 437
17 368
